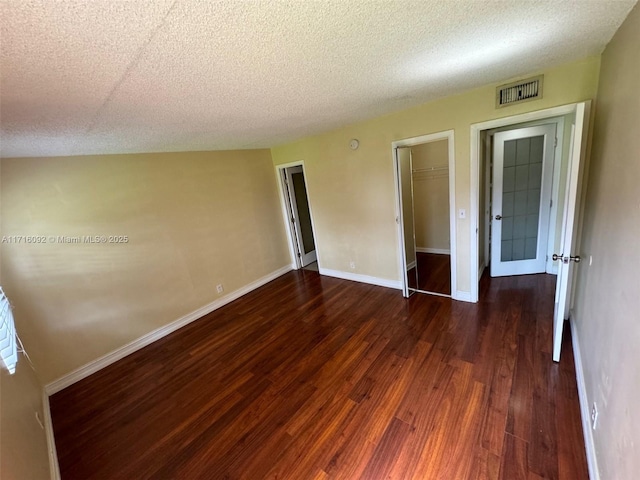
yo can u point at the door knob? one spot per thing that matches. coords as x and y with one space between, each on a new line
568 259
498 217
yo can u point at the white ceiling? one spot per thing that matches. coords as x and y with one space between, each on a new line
115 76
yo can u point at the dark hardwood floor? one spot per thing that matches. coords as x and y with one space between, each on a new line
434 272
311 377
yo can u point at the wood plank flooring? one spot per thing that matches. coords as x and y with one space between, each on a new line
311 377
434 272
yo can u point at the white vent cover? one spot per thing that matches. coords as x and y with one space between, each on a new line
520 91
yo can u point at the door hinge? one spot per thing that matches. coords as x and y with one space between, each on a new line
551 203
293 220
555 142
299 255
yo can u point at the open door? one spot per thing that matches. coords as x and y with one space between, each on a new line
404 166
568 256
296 192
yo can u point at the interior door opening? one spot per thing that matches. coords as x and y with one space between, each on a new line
553 232
423 167
521 199
296 200
510 198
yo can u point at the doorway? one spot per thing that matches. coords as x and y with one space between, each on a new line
424 169
566 224
520 196
555 133
297 214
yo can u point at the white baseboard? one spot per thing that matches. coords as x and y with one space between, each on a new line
462 296
356 277
112 357
440 251
592 461
54 468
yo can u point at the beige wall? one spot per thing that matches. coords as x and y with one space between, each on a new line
431 195
352 193
607 305
23 444
193 220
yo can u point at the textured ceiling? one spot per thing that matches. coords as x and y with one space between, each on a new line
115 76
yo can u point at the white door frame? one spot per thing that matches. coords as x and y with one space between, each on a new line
305 257
287 213
474 190
411 142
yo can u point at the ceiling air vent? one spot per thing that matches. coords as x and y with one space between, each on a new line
518 92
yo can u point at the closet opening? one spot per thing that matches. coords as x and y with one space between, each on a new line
424 170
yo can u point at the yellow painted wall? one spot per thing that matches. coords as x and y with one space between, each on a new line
352 193
607 304
193 220
431 195
23 444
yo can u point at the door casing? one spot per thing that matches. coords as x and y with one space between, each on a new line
474 187
559 157
286 214
410 142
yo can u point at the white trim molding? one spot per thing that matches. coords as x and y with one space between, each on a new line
462 296
592 461
439 251
54 467
112 357
356 277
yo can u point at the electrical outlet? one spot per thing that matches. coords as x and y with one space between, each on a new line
220 288
594 416
352 265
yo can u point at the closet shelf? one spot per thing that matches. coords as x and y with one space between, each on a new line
431 169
